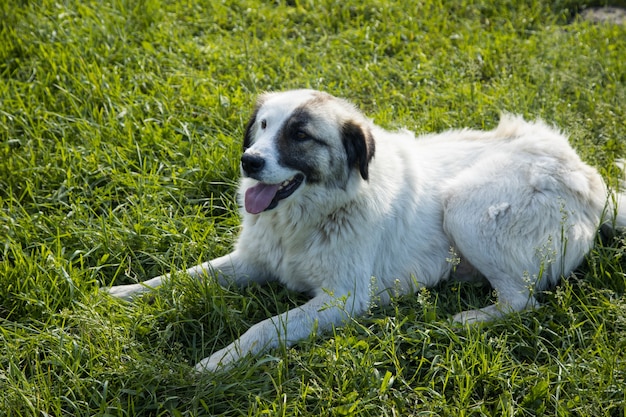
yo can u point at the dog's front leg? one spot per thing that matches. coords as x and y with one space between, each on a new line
231 268
319 314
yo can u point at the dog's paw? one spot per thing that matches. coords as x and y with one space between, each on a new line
219 361
125 292
496 311
471 317
258 338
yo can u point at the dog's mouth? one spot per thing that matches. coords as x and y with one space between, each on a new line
262 196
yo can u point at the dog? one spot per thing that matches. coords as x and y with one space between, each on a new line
338 207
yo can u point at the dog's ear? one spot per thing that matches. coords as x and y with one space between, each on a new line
247 136
359 144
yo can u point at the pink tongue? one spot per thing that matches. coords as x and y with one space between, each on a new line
259 197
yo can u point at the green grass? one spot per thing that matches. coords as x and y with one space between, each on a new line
120 130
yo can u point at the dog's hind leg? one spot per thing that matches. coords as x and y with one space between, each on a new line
504 256
519 237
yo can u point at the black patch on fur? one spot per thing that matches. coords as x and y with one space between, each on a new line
296 125
359 145
295 145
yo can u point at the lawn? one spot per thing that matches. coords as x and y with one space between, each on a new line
121 125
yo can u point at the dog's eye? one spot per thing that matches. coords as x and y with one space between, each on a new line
301 135
263 124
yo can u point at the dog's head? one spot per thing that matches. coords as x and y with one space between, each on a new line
298 139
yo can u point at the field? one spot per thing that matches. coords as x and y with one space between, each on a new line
121 125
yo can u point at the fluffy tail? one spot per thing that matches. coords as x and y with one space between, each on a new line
616 216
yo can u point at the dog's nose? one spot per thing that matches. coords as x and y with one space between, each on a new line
252 164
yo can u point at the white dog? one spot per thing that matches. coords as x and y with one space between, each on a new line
352 213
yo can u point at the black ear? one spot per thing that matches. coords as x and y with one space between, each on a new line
359 144
247 136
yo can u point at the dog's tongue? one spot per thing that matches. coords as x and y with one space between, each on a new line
259 197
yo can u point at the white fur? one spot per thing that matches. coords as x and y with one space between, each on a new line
516 203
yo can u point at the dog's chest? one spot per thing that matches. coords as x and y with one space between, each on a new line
308 263
305 257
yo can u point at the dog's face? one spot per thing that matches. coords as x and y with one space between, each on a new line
299 139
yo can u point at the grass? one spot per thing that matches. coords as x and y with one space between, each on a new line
120 130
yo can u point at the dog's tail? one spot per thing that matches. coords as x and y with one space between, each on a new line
616 215
614 219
